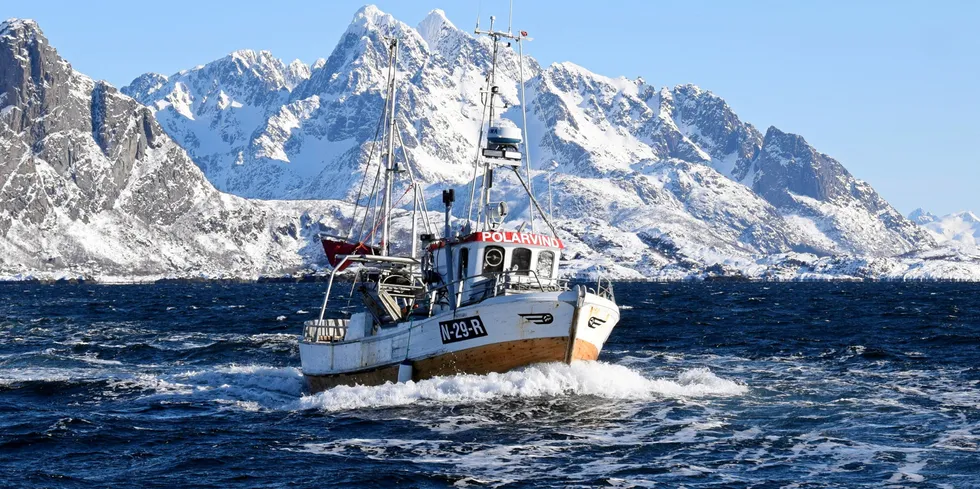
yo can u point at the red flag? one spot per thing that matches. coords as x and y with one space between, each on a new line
523 33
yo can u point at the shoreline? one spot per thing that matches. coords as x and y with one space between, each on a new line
347 278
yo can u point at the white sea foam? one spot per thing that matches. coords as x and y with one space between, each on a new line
147 382
253 387
9 376
269 340
247 378
553 379
93 358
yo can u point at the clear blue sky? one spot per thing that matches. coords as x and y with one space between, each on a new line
889 88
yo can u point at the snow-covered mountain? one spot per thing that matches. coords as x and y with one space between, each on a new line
91 186
647 182
959 227
672 165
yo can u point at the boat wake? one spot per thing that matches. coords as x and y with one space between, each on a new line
543 380
254 387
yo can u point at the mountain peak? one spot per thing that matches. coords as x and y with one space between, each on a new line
371 16
144 85
437 15
435 27
243 54
696 95
12 25
372 22
570 67
265 67
968 216
296 72
785 148
250 57
921 216
785 139
691 89
369 10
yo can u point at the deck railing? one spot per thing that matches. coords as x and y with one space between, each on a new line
604 288
464 292
476 288
325 330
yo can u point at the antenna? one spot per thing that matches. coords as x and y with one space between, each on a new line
479 12
510 19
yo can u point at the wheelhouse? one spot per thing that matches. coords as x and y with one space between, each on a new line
476 262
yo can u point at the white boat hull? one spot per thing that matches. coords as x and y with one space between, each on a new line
495 335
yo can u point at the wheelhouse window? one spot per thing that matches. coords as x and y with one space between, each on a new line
493 259
464 262
546 263
520 261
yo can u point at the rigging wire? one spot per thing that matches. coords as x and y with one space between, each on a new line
411 174
375 228
373 202
476 161
527 144
535 202
357 201
552 171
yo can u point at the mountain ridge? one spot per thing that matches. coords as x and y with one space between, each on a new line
594 127
661 183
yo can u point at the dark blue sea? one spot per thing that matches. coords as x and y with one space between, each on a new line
702 385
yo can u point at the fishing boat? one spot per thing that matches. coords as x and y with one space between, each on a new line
484 296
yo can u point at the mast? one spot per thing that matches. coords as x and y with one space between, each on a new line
390 160
502 151
490 93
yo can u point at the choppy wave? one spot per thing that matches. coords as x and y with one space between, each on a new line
876 387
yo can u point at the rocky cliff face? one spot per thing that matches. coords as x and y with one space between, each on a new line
90 184
806 184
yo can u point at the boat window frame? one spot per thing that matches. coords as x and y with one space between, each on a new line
515 267
464 262
549 273
483 259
